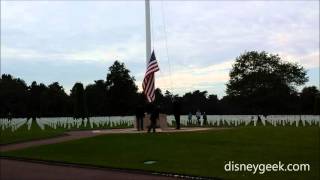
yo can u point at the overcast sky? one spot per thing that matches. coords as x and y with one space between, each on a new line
195 42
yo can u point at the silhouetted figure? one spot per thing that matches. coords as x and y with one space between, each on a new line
9 116
153 118
139 117
259 121
176 113
149 108
190 118
198 115
204 116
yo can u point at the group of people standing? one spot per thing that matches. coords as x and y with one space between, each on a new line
154 112
198 116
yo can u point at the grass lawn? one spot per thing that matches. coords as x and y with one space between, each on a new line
23 134
193 153
7 135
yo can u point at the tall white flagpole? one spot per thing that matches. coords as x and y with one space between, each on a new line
148 33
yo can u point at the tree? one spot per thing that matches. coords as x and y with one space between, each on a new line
309 97
78 99
212 104
168 101
317 105
165 101
263 83
58 101
96 98
159 98
122 91
37 100
13 96
192 101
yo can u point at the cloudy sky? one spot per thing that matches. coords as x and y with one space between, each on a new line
195 42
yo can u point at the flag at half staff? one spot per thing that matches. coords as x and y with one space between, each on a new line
148 80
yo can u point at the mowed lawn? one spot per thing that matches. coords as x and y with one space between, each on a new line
22 134
193 153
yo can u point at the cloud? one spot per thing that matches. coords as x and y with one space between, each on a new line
120 51
189 79
308 61
203 38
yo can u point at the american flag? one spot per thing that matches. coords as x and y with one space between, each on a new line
148 81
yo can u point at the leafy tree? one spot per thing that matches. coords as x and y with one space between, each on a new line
168 101
317 105
159 97
58 101
96 98
309 99
212 106
165 101
122 91
192 101
37 100
78 99
13 96
260 83
263 83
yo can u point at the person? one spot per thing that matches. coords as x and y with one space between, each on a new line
139 117
153 118
176 113
198 115
190 118
204 116
9 116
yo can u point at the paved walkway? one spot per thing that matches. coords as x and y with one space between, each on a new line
69 136
13 169
73 135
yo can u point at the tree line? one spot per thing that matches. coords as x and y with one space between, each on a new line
260 83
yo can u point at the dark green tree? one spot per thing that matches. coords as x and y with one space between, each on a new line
212 106
263 83
168 101
13 96
58 101
37 100
122 91
159 97
192 101
165 101
317 105
309 100
96 98
78 99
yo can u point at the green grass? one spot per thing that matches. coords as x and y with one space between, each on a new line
22 134
193 153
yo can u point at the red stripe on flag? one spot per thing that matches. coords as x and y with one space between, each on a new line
148 84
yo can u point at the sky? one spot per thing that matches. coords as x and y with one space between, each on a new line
195 42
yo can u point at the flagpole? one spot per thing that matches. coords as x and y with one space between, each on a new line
148 33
